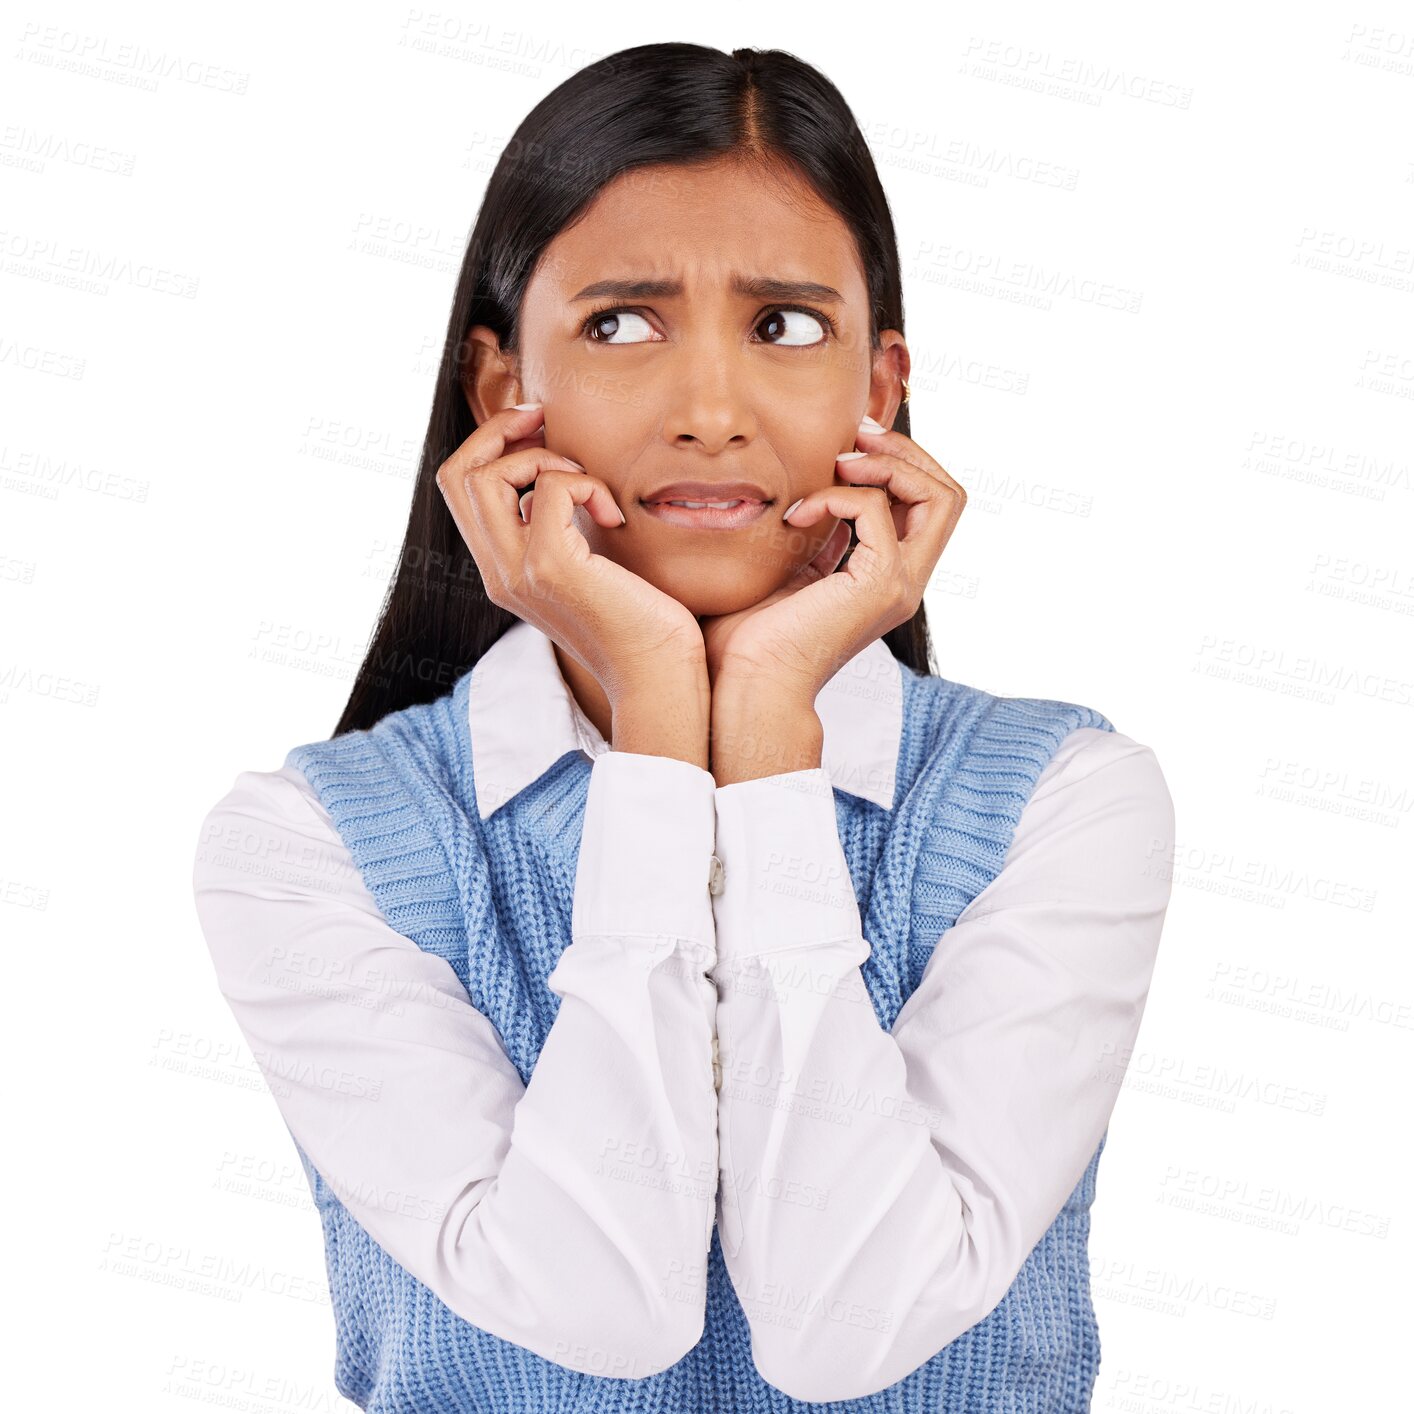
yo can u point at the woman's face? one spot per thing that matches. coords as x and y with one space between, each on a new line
697 375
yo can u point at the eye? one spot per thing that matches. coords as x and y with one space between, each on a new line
600 318
800 336
791 324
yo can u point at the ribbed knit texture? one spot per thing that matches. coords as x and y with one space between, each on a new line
494 899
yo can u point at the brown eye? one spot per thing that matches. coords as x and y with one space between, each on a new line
616 321
794 326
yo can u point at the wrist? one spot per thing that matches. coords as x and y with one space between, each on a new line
758 732
670 717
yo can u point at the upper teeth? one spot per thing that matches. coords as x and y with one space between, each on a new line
698 505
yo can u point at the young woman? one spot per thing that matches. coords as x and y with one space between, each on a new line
680 997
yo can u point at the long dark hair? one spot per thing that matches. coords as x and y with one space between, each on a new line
654 103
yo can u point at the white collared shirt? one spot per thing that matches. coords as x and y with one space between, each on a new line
1011 1049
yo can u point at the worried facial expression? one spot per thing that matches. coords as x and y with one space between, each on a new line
709 325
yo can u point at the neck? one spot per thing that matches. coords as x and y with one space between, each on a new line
593 701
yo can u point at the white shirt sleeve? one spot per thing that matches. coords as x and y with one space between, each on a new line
881 1190
571 1215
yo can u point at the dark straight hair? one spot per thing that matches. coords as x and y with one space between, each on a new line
651 104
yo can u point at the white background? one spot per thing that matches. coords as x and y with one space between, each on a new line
1159 287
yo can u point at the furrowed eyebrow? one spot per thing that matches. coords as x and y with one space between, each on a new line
762 287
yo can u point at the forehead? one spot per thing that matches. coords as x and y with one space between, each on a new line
702 224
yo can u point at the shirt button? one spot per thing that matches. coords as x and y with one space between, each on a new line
716 1067
715 875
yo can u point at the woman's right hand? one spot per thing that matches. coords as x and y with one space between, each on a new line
623 630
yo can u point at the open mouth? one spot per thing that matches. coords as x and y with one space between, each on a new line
707 515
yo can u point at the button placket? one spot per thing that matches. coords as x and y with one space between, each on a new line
716 876
716 879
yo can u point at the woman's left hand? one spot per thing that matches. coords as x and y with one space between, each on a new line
795 640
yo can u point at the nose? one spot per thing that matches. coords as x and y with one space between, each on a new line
708 403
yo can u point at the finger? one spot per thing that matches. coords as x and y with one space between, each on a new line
900 478
899 444
905 484
866 506
821 565
585 490
878 554
552 534
827 558
490 439
502 434
485 503
928 508
486 443
535 439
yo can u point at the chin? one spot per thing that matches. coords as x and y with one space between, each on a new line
711 593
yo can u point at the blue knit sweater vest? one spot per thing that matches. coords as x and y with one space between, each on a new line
494 899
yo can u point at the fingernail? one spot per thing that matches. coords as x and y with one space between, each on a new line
785 515
522 500
572 462
850 456
867 424
527 407
623 519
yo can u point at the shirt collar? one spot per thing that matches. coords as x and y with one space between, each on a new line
523 718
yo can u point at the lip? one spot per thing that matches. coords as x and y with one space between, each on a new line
753 502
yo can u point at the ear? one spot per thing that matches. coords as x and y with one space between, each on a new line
888 372
489 376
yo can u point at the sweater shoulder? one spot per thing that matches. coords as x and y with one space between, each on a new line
980 756
394 794
418 745
952 726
